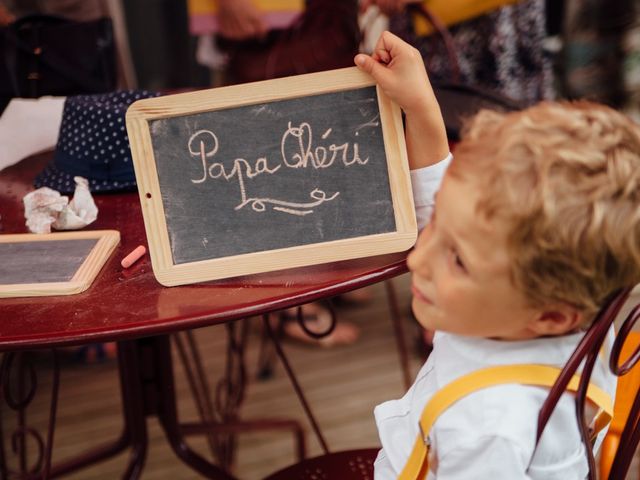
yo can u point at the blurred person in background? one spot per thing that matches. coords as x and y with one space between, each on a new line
601 53
303 36
501 49
73 9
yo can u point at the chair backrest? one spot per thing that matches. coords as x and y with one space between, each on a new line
628 387
586 353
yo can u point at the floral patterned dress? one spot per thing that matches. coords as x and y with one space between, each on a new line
502 51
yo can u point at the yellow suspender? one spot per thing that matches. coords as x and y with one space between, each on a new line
417 466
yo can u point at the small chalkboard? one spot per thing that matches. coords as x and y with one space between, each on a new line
53 264
271 175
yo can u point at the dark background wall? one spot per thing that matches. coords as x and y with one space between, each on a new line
162 50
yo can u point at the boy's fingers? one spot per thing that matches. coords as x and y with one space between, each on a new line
382 54
362 61
369 65
382 50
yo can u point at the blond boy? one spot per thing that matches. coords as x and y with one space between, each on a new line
536 222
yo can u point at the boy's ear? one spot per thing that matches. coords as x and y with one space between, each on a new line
557 320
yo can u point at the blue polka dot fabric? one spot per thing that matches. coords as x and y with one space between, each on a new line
93 144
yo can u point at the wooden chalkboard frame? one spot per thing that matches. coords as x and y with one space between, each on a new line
142 112
107 240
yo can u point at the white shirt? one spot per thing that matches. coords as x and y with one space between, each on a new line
490 434
425 183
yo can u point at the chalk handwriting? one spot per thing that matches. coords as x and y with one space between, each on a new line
297 151
371 123
318 157
293 208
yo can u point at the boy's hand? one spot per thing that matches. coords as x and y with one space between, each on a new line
399 70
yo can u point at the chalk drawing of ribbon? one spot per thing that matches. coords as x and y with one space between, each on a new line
293 208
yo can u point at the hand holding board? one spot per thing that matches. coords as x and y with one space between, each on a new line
270 175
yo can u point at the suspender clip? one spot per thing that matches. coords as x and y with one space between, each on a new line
425 438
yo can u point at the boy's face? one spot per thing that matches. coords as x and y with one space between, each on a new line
460 271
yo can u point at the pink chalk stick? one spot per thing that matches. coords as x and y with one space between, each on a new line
130 259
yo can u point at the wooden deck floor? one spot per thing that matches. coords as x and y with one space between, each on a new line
343 385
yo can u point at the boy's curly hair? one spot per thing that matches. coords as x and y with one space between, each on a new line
565 179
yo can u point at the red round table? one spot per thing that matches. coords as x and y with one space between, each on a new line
130 307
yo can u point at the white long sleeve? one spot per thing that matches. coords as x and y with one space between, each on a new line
425 183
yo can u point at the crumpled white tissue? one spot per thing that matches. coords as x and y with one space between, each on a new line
45 208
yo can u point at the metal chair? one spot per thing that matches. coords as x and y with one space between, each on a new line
586 354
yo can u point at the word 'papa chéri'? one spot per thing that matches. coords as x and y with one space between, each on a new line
297 151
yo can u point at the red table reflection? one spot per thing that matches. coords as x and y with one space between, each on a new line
129 303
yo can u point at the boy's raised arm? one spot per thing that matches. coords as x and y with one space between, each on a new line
399 70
